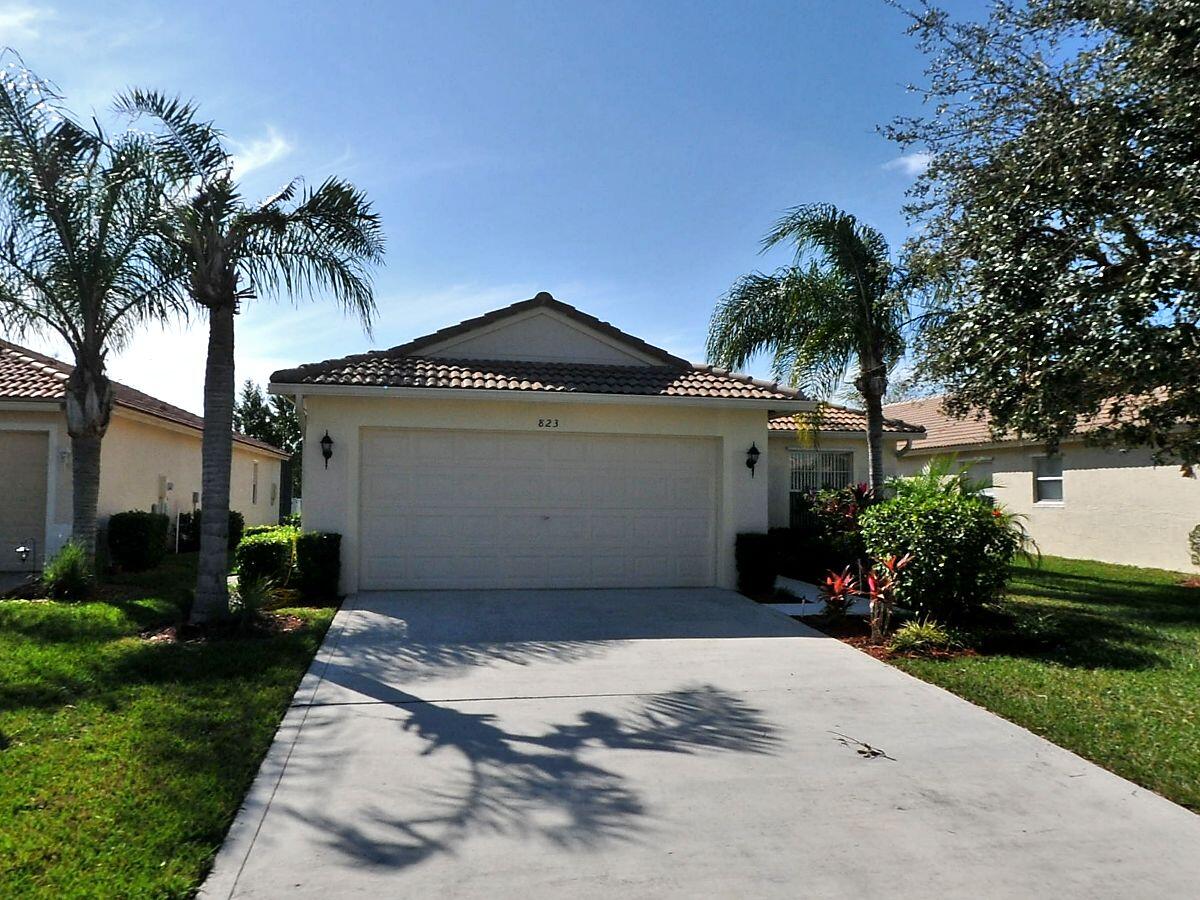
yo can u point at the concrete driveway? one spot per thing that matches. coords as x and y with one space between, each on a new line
670 743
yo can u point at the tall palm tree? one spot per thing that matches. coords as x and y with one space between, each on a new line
841 305
80 254
297 242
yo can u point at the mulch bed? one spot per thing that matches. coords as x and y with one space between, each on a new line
268 624
857 633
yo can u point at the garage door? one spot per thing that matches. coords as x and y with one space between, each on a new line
463 509
23 504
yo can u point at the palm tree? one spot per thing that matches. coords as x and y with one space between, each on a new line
842 304
80 254
298 241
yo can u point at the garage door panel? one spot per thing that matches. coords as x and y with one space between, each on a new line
461 509
23 508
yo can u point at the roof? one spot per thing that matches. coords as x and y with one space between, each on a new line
830 418
945 431
404 366
942 429
27 375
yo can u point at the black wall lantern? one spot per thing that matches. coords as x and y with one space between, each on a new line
752 456
327 448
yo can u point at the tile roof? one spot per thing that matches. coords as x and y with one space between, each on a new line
384 370
944 431
830 418
404 366
26 375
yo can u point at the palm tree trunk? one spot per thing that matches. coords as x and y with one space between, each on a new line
89 406
872 386
212 589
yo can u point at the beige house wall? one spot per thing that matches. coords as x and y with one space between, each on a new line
779 465
1117 506
331 496
145 460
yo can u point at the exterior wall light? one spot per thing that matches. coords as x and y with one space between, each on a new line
752 456
327 448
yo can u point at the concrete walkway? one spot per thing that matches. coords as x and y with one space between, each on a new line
677 744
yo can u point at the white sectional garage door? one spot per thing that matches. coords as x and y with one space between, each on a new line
465 509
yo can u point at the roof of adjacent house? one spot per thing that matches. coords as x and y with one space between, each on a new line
830 418
404 366
27 375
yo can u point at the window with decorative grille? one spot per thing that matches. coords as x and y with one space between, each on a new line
817 470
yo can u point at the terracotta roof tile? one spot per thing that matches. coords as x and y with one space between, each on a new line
386 370
830 418
26 375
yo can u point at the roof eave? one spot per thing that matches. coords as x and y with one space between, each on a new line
424 393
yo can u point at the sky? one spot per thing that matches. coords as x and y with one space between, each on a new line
625 157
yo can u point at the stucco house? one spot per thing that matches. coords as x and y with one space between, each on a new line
150 458
537 446
1085 502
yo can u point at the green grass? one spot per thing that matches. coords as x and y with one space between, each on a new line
1101 659
122 762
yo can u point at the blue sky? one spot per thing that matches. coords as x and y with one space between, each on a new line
626 157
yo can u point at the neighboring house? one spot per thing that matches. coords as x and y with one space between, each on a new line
1109 504
827 449
534 446
150 458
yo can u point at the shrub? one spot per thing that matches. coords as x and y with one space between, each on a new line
838 592
961 549
318 565
189 530
266 556
827 535
137 540
755 563
250 599
68 574
922 636
1194 541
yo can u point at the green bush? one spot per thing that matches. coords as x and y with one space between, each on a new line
755 557
1194 541
137 540
961 549
189 531
251 598
826 535
266 556
318 565
922 636
68 574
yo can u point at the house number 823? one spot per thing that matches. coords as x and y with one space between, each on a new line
547 423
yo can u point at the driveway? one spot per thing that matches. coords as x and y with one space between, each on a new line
665 743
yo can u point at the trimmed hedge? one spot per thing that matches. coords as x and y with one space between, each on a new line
137 540
189 531
961 550
754 553
318 565
266 556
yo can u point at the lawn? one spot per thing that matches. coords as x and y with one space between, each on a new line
1101 659
122 760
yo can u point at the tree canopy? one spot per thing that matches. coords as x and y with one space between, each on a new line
1061 206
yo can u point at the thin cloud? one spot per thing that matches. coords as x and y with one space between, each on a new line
260 152
19 22
911 164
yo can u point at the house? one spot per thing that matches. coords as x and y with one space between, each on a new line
1085 502
821 450
537 446
150 458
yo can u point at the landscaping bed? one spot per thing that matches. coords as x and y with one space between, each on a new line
126 743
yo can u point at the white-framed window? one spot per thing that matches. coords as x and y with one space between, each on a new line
816 470
254 484
1048 479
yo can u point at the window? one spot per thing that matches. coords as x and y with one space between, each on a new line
254 485
980 472
1047 479
817 470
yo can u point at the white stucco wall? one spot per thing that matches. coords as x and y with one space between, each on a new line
1117 506
331 496
139 450
779 465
